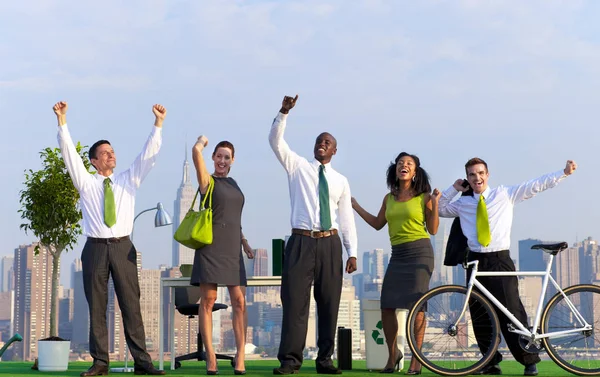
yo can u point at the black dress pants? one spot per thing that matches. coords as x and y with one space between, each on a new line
99 261
506 290
306 260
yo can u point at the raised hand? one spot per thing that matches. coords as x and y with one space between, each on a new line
435 196
287 104
461 185
201 143
60 109
571 167
159 111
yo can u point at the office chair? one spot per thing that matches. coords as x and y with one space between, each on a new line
186 299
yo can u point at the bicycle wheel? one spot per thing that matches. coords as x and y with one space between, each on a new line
579 352
452 350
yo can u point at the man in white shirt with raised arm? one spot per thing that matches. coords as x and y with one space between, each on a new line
486 221
107 203
314 250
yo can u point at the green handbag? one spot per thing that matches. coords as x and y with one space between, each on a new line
195 231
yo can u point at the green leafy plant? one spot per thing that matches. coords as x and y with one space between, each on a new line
50 205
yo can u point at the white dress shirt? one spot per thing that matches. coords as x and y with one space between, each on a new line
499 202
303 177
124 185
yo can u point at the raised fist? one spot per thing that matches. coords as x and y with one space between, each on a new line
159 111
60 108
571 167
201 142
288 103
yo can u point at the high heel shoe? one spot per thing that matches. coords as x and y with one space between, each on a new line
211 372
237 372
413 372
396 366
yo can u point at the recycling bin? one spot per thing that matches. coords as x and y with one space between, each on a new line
376 348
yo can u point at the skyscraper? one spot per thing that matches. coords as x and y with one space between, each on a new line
33 286
6 273
185 196
81 315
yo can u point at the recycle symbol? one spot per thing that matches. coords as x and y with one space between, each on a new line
376 334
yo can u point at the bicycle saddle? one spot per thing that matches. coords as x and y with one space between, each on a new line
552 248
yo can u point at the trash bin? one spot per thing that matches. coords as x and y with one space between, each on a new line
344 348
376 348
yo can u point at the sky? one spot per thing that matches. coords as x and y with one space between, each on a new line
515 83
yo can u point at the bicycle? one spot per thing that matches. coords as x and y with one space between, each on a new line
568 328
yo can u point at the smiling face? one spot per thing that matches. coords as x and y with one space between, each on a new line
477 176
325 147
222 158
406 168
105 159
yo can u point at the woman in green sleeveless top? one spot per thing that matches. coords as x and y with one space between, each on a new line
411 212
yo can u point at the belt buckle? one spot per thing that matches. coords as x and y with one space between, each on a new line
315 234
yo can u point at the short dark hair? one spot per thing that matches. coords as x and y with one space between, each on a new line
475 161
224 144
92 151
420 184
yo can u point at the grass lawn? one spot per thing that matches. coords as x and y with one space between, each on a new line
259 368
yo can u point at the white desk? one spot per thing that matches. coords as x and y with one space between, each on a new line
172 283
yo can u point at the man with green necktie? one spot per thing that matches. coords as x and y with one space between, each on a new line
486 221
107 203
321 211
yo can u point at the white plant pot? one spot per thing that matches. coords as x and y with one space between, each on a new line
53 356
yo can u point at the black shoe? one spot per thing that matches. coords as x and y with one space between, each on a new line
96 370
285 369
530 370
490 370
413 372
396 364
238 372
148 370
328 369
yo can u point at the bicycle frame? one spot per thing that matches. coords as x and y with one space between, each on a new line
520 328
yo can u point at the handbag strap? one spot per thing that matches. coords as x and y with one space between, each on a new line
211 186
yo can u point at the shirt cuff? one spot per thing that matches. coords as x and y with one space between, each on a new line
560 175
155 130
351 253
281 117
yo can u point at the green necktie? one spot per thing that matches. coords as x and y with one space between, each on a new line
484 236
110 213
324 200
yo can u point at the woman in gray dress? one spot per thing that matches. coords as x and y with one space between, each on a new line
222 261
411 212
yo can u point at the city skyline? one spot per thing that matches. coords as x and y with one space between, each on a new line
515 84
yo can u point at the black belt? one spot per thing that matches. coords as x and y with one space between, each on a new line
315 233
108 240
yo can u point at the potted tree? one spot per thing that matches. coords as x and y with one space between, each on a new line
49 204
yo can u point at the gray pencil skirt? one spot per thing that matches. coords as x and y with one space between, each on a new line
408 274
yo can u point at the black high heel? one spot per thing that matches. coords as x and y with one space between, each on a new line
413 372
396 364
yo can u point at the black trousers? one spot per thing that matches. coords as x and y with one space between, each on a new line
306 260
99 261
506 290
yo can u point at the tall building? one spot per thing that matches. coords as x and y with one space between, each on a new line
441 274
532 260
150 306
65 312
6 273
589 252
33 286
185 196
261 268
568 267
349 313
81 315
373 264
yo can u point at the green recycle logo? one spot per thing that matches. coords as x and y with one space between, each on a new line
376 334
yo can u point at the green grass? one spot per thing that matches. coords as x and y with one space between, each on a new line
258 368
